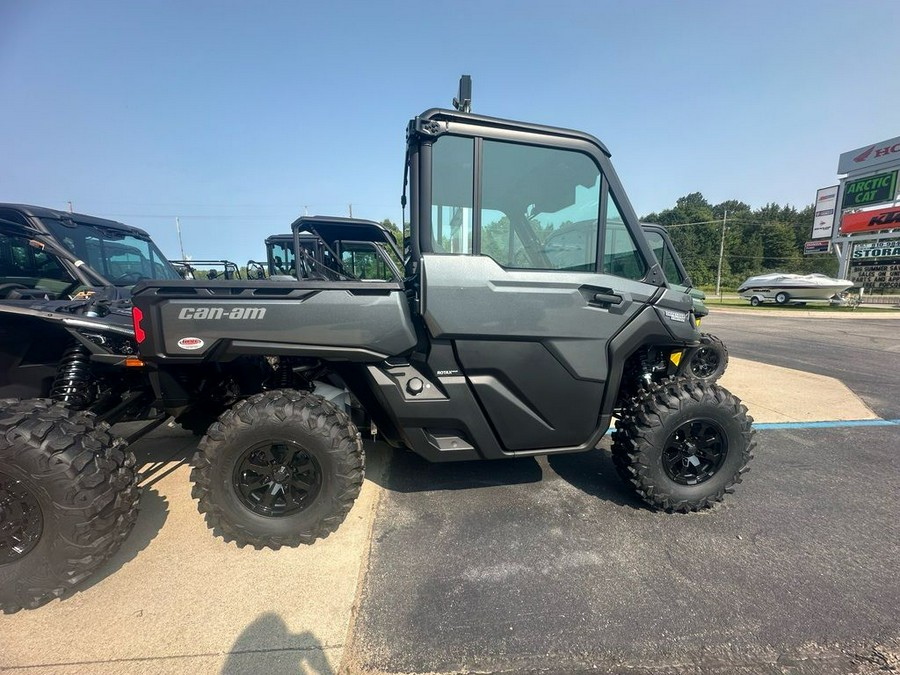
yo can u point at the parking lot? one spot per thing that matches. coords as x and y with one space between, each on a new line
539 565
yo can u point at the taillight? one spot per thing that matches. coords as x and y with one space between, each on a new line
136 317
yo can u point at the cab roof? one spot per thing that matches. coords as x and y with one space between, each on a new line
444 115
41 212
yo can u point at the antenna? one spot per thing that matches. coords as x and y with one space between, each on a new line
180 243
463 100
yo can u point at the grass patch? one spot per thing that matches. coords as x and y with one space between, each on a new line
726 301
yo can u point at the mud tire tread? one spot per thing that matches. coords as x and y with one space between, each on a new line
86 476
640 434
319 418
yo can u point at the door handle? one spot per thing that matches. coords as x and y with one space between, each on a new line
607 298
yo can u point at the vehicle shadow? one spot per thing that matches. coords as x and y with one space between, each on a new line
157 455
154 509
594 474
266 645
405 471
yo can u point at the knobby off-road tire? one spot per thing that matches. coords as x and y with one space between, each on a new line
706 363
281 468
68 499
683 444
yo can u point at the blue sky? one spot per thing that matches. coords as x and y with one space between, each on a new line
235 116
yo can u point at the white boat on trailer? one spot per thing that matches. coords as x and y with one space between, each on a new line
786 288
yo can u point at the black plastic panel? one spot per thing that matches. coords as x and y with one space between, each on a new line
530 397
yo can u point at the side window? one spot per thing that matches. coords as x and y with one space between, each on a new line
539 207
19 259
361 260
14 260
620 254
48 267
661 251
452 198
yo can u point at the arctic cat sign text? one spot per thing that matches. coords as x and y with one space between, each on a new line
871 190
211 313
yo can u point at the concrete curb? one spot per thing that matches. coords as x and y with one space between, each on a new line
774 394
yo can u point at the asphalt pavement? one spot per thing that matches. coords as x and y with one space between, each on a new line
863 354
556 567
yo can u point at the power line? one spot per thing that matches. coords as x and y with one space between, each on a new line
735 221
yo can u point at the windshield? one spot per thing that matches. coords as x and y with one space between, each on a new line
670 269
121 257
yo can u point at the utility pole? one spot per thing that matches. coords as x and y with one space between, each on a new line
721 255
350 206
180 243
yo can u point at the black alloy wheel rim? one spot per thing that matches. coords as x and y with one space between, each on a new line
694 452
21 520
705 362
277 478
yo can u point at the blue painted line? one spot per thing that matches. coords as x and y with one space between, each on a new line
826 425
818 425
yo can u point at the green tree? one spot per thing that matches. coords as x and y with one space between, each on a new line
766 239
391 227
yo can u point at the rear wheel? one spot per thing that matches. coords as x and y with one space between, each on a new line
68 499
684 445
706 363
755 301
281 468
782 298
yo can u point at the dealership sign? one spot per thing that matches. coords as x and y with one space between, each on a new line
820 246
826 199
870 221
871 190
880 250
870 156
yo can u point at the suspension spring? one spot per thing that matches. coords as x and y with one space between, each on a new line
72 385
646 371
284 376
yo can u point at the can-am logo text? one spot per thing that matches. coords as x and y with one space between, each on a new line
211 313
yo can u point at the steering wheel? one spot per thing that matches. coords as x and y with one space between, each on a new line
6 288
128 279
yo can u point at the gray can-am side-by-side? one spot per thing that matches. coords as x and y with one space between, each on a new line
489 344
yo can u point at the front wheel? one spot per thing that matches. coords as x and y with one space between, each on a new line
755 301
68 499
706 363
281 468
782 298
684 445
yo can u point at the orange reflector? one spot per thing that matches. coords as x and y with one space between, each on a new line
133 362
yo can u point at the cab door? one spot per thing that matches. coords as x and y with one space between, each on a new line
529 269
